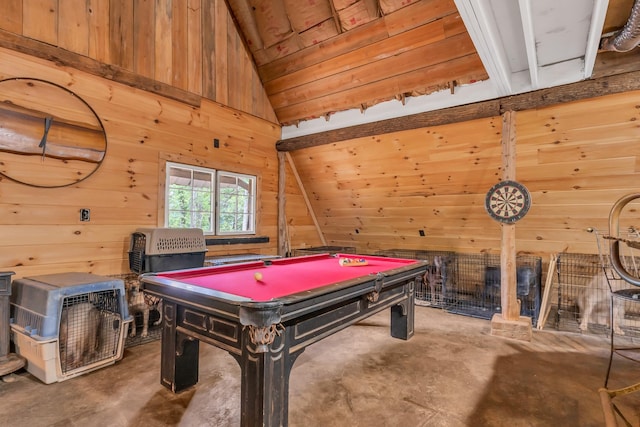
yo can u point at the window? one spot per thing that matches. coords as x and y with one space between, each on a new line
218 202
236 203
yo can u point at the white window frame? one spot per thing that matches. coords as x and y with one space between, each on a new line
251 203
216 176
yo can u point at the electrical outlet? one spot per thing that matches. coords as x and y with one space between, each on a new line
85 215
421 233
216 143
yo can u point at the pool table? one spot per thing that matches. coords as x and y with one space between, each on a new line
264 313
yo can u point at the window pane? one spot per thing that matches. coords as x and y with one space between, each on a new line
178 219
202 180
227 223
203 220
236 203
190 197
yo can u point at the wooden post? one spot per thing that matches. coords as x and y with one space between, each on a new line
508 286
509 323
282 218
306 199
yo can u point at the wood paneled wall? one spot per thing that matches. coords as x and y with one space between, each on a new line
40 228
576 159
191 45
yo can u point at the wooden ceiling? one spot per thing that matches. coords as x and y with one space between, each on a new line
316 57
319 57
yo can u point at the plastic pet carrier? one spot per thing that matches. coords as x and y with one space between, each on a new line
163 249
68 324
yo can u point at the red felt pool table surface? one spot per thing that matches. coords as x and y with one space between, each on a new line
284 276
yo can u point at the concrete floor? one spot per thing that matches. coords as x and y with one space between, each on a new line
451 373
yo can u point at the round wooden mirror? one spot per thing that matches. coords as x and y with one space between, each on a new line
49 136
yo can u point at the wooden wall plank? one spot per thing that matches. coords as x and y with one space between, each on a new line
103 268
625 146
179 43
40 21
50 253
99 30
144 37
65 234
233 67
194 46
121 33
209 37
225 44
11 18
254 88
73 19
163 56
33 214
55 172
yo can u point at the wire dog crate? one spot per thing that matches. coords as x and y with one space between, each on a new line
469 284
432 289
68 324
582 291
475 291
578 282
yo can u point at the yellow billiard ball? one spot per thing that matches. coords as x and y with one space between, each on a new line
258 276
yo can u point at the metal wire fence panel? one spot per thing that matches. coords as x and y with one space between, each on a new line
575 273
440 273
582 296
476 290
469 284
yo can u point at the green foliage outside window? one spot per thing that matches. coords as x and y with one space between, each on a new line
235 205
190 200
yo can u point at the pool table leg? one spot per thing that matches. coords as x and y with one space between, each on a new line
179 355
403 315
265 381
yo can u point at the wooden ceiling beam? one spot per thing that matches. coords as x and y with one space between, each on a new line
531 100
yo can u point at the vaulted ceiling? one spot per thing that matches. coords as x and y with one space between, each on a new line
327 64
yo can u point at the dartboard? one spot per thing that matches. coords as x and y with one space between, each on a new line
507 201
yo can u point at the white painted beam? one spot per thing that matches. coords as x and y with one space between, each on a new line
529 41
479 20
595 32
